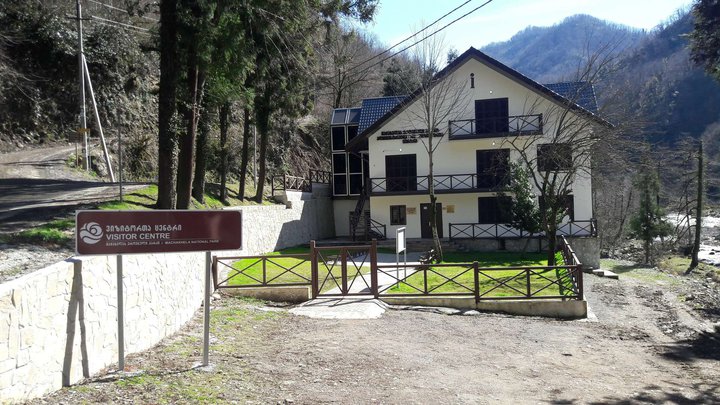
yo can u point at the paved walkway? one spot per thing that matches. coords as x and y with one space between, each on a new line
363 307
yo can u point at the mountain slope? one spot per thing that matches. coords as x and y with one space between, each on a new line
551 54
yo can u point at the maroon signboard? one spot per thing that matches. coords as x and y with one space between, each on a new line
159 231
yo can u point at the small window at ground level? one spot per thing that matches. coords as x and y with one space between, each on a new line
397 215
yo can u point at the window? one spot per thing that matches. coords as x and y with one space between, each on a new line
566 201
492 168
338 138
472 80
491 116
352 131
339 116
354 115
494 210
397 215
554 156
355 171
339 174
401 173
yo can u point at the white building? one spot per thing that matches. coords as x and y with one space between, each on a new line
380 165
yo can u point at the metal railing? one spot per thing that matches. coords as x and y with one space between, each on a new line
500 231
370 228
490 127
320 176
286 182
442 182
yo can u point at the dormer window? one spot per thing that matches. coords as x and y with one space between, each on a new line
472 80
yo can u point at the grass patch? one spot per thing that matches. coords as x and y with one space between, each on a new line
58 232
638 272
294 270
449 278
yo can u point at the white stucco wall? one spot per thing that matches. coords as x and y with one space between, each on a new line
59 324
459 156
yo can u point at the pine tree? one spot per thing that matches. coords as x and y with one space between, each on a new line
649 222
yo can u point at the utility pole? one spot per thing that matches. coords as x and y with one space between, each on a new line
81 70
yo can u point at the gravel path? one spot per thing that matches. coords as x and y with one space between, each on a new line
646 346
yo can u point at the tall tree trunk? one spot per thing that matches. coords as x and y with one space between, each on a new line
224 126
201 153
167 109
187 142
433 200
262 112
244 155
698 211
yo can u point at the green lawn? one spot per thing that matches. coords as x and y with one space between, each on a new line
452 277
292 266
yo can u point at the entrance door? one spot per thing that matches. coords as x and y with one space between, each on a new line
425 229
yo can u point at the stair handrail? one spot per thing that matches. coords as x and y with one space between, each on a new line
355 218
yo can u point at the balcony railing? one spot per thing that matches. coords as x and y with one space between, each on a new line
444 183
503 231
493 127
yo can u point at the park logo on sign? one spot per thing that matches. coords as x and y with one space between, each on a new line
91 233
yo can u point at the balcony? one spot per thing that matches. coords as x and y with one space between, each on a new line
496 127
444 183
503 231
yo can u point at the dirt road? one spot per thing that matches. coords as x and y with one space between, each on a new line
644 347
38 180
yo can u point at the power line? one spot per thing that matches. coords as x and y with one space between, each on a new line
113 22
425 38
120 9
411 36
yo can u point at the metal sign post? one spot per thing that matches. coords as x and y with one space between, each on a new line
400 247
121 314
206 310
159 231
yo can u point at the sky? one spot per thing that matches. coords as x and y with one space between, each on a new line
501 19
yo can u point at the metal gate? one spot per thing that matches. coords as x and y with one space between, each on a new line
340 271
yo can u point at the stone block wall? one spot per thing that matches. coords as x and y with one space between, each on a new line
58 325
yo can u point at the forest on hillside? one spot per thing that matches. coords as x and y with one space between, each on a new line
277 71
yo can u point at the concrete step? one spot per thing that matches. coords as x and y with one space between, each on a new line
606 273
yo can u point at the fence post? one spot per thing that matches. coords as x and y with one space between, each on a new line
313 269
527 279
264 262
343 269
374 269
477 282
580 286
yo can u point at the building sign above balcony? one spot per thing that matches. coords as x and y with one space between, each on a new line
120 232
406 134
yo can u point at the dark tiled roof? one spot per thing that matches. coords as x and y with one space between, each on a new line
377 121
581 93
375 108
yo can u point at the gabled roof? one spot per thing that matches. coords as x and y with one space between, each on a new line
582 93
472 53
375 108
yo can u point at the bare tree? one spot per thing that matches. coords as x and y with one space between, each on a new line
439 98
343 81
560 151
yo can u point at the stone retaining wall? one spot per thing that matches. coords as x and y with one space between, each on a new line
59 325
